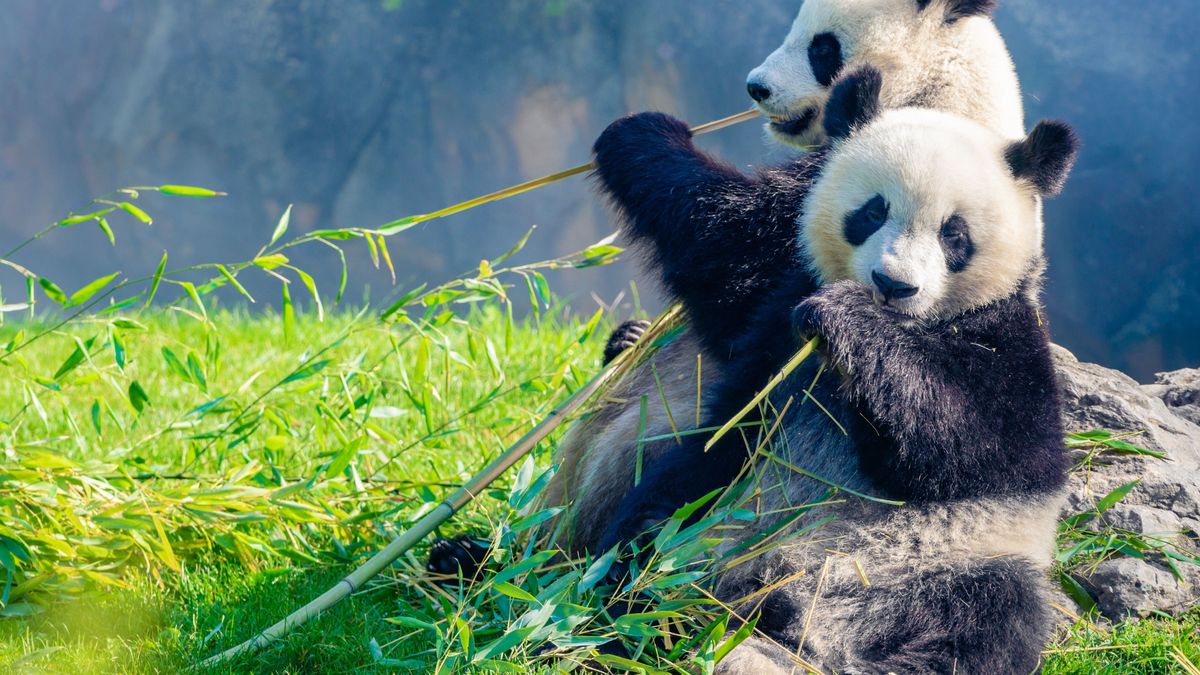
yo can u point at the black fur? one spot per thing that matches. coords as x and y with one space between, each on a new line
866 221
458 558
966 407
825 58
717 237
1045 157
1001 628
625 336
957 245
761 350
959 9
853 102
956 409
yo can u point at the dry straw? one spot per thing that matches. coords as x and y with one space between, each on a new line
464 495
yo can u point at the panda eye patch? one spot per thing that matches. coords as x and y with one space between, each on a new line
866 221
825 58
956 243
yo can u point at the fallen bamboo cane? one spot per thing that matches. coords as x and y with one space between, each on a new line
461 497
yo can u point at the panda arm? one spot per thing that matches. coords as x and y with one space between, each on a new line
686 472
965 409
717 238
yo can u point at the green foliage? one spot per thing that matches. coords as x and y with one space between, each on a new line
176 475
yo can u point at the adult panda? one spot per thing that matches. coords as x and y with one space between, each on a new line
919 265
940 54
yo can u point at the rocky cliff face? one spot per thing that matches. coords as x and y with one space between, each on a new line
364 112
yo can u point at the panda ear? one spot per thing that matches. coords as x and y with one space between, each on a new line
958 9
1045 157
853 102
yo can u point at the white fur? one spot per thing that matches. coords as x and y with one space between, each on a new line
961 67
929 166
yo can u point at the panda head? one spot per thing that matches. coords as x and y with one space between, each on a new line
935 213
906 39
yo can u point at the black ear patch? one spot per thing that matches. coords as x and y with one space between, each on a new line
853 102
959 9
1045 157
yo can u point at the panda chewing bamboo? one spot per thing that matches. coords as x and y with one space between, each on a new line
918 260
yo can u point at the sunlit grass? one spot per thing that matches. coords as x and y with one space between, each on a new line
174 479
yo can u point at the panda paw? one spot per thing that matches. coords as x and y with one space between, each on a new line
461 557
834 310
630 138
625 336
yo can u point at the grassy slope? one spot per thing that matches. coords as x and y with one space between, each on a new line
163 619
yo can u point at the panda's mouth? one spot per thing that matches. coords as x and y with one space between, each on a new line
794 126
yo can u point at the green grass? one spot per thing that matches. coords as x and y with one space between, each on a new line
175 479
163 620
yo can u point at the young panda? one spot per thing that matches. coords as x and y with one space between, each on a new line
919 266
939 54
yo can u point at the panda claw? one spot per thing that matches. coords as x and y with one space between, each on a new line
625 336
460 557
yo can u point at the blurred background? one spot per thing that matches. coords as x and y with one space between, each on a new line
363 112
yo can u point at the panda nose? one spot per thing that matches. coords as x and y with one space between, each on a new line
892 289
758 91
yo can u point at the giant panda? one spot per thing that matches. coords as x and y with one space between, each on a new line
939 54
917 259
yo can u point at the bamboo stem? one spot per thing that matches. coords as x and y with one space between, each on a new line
791 365
514 190
457 500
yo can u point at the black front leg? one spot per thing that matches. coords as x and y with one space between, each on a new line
682 476
718 239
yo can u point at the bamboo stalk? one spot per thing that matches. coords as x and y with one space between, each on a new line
791 365
457 500
555 177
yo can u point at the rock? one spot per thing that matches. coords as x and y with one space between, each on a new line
1165 505
1180 390
1124 583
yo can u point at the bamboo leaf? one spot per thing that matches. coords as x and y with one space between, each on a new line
270 262
402 302
84 294
156 279
76 357
505 588
233 280
136 213
282 226
1115 496
137 396
289 315
52 291
307 371
104 227
83 217
188 191
387 257
312 289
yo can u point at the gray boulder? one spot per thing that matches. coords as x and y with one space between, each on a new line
1165 505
